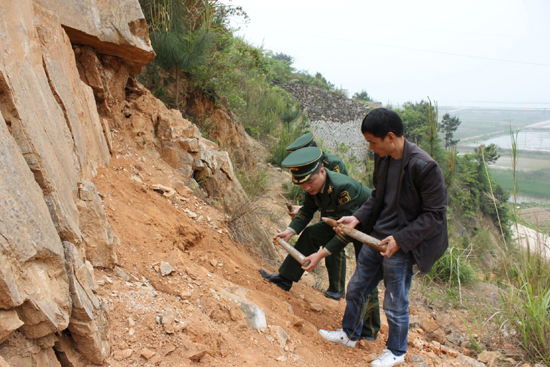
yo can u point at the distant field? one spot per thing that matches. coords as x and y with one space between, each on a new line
531 183
525 162
486 122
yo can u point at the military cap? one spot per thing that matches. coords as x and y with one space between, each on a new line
303 141
303 163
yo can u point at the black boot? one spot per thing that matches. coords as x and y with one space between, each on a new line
334 295
277 279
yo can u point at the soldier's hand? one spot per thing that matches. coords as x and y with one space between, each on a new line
285 235
350 221
314 259
295 210
392 248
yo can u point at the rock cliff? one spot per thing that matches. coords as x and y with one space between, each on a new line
66 82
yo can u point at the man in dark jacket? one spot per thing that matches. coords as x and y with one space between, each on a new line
407 211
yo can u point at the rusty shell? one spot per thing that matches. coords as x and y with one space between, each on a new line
358 235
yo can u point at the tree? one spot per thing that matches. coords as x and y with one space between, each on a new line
449 125
283 57
414 118
185 33
488 154
362 97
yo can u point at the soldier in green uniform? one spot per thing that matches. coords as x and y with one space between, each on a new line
335 195
330 161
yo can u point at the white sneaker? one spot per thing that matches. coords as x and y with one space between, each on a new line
338 336
387 359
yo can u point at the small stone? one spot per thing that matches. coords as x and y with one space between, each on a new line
168 322
428 324
131 322
185 294
166 268
489 358
147 353
132 331
191 214
435 346
213 262
316 307
449 351
119 355
196 357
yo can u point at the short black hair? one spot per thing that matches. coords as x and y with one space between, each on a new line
381 121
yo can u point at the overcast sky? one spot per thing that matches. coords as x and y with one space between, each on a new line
460 53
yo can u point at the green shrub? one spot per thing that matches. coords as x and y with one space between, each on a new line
453 268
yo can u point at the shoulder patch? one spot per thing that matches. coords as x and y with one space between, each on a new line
336 169
344 197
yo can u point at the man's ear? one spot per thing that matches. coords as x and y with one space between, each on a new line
391 136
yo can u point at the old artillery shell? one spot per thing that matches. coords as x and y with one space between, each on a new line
292 251
358 235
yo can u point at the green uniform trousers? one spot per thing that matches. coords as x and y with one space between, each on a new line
311 239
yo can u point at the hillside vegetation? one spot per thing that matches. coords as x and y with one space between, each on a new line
195 44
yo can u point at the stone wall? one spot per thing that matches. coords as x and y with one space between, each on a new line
334 119
322 105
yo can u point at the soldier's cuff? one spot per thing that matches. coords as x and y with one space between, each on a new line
327 251
291 230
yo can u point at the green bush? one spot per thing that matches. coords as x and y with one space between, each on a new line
453 268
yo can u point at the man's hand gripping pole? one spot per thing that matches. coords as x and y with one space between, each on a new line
293 252
358 235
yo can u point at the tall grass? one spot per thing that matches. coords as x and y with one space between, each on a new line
525 302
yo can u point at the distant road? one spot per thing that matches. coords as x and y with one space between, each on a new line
540 125
535 241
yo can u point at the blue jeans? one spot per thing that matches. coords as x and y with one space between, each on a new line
397 275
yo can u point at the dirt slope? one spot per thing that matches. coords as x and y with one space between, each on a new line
193 316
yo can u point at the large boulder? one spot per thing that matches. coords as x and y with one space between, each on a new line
111 27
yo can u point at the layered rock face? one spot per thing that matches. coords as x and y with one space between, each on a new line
66 79
52 142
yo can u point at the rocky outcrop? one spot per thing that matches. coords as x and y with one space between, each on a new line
66 79
111 27
222 127
52 141
179 143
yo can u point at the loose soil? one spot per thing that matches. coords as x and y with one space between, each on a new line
193 315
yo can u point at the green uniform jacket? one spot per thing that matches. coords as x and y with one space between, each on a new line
341 196
334 163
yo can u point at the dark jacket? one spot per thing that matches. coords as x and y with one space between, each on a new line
422 205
